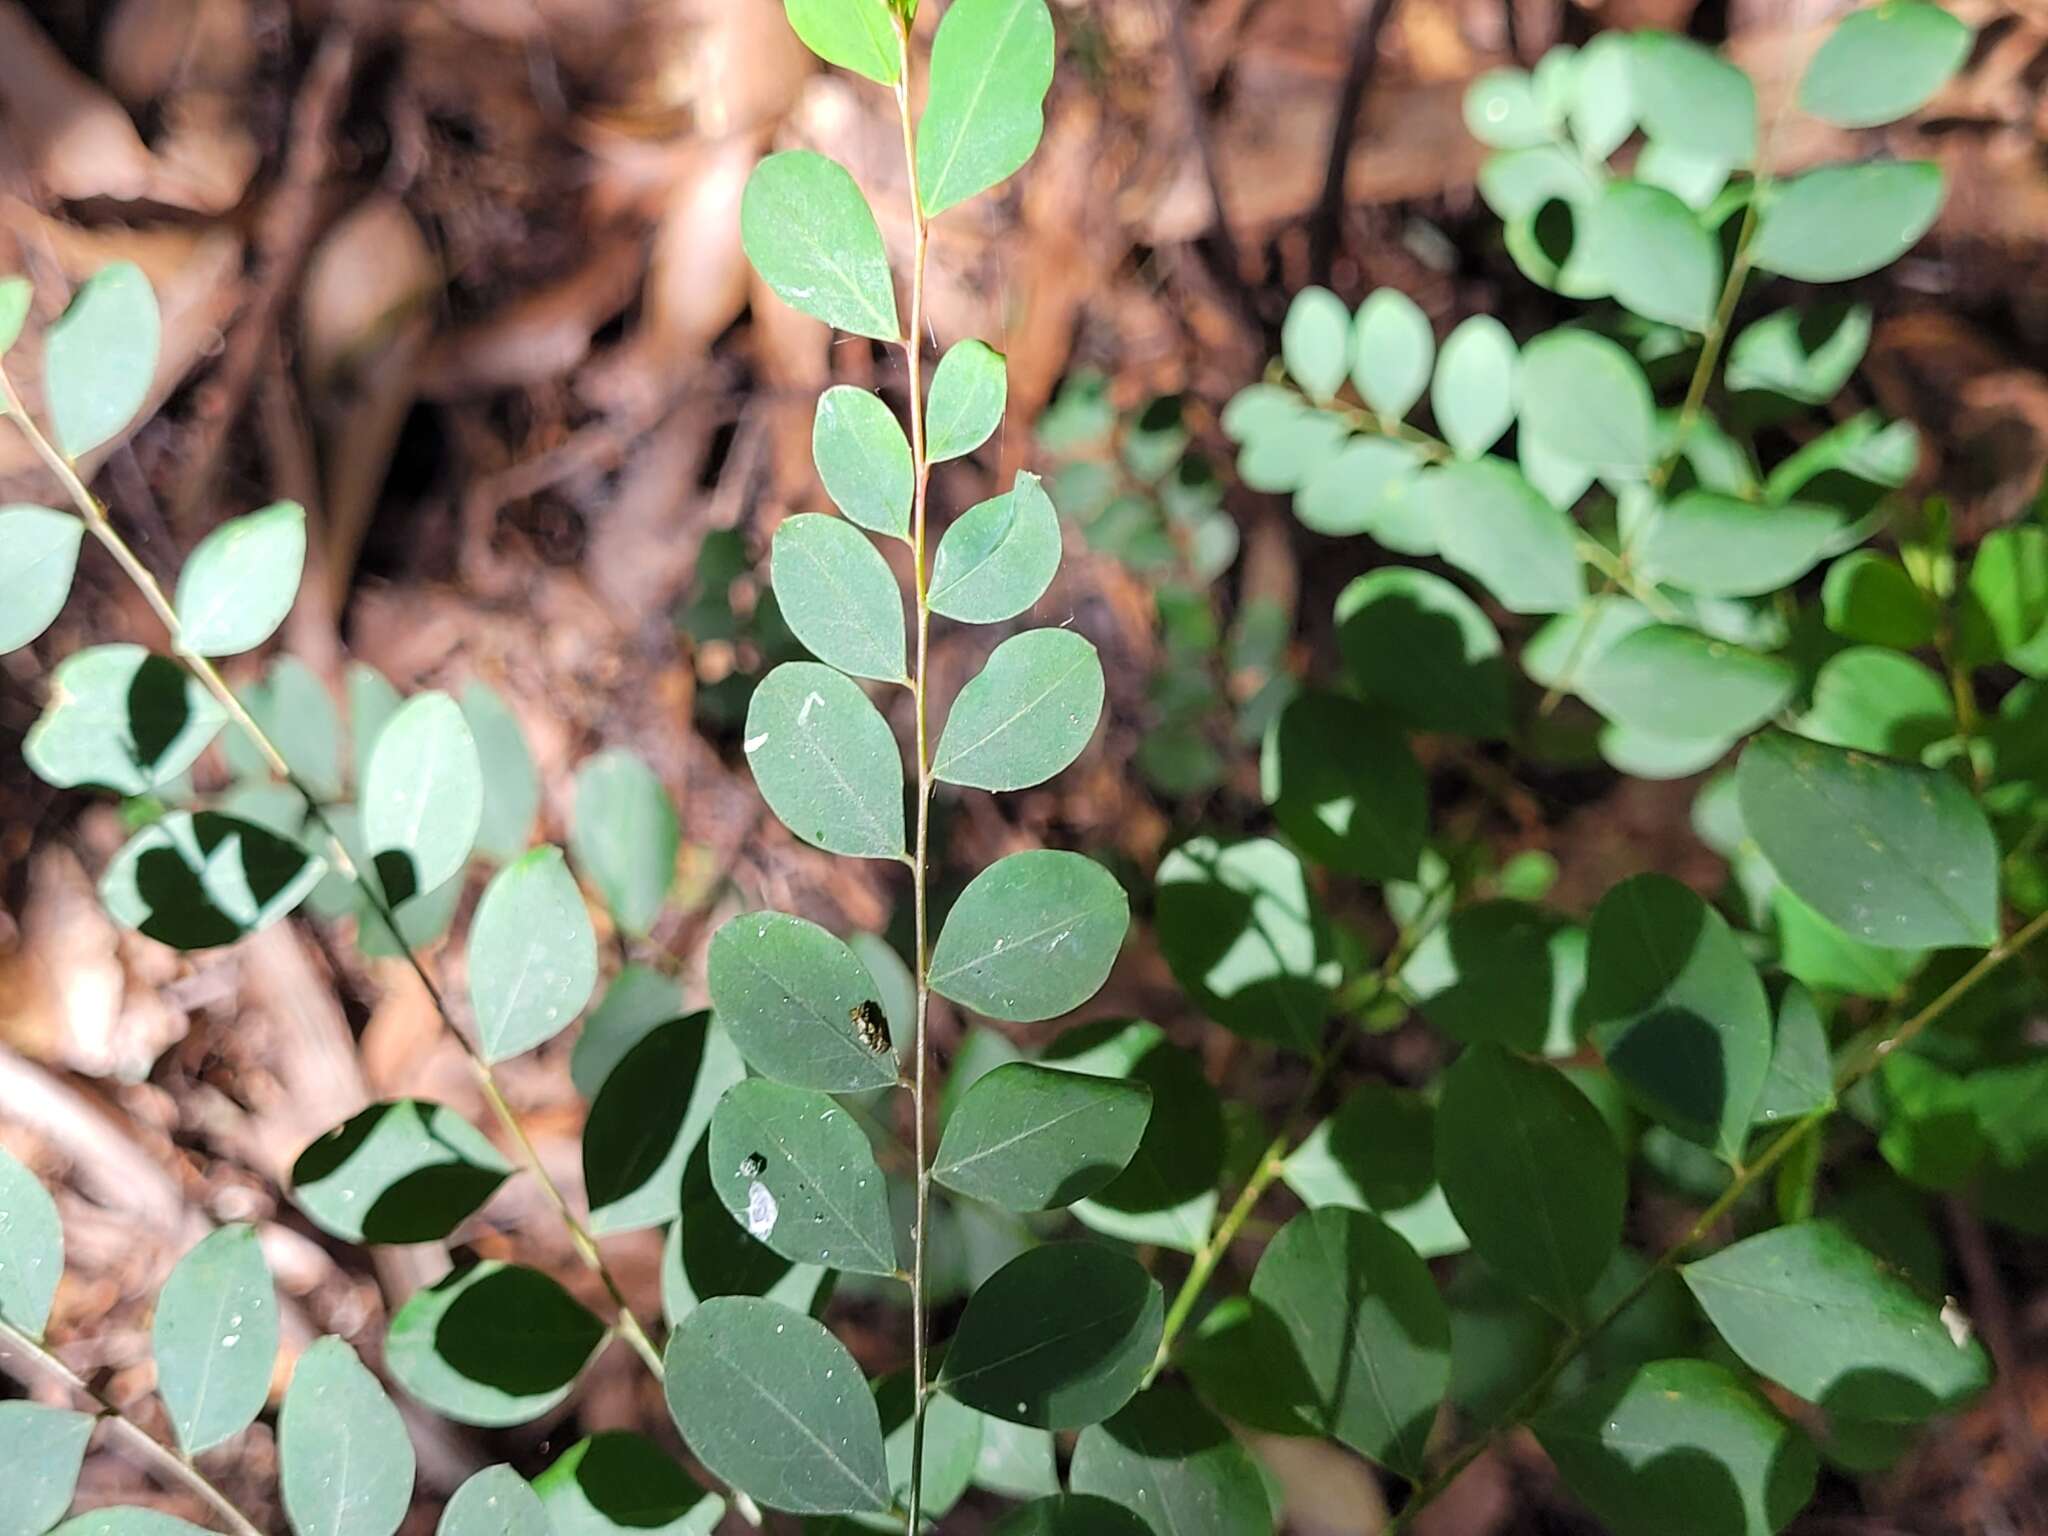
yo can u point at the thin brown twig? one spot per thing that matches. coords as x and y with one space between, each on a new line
1327 222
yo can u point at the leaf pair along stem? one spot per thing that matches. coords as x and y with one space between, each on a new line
98 522
1859 1062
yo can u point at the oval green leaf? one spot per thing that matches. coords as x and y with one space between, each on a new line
1845 221
998 557
491 1344
1495 526
969 390
1172 1462
406 1171
1474 391
1676 683
1653 253
45 1448
198 879
241 581
1883 62
511 783
38 556
1315 342
1032 1138
625 837
825 762
214 1338
1691 99
839 596
423 800
859 35
1392 352
1032 937
1586 398
99 358
344 1459
797 1002
1026 715
1723 546
991 67
31 1248
532 955
495 1502
796 1171
813 238
864 459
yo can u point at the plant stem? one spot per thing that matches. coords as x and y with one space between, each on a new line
1858 1064
913 357
169 1464
97 521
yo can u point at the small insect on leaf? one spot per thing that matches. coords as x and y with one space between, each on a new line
870 1025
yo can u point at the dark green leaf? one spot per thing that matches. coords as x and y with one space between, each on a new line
998 557
618 1484
859 35
1091 1319
1504 1127
423 800
1415 643
1883 62
121 718
45 1447
639 1000
344 1459
1032 937
1845 221
1868 596
1893 854
774 1404
239 584
1026 715
198 879
1032 1138
491 1344
405 1171
1801 1078
1677 1010
1370 1330
969 389
863 456
99 358
1586 398
1363 810
1501 972
795 999
625 837
1679 1445
991 67
214 1338
795 1170
1674 682
1879 701
1172 1462
813 239
1246 938
1377 1153
1072 1514
532 955
825 762
495 1502
1473 394
38 554
647 1117
1494 525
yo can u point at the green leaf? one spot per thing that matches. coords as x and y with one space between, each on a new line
998 557
1845 221
1495 526
372 701
1032 1138
494 1502
859 35
795 1170
1693 100
638 1001
1364 810
616 1483
1364 488
1868 596
950 1441
1830 1322
344 1459
127 1522
825 762
1016 1460
863 456
1093 1318
1504 1127
194 880
839 597
1818 953
214 1338
1176 1465
491 1344
1031 937
45 1448
1882 63
1879 701
625 837
1602 107
1377 1153
1677 683
532 955
1502 972
772 1403
1392 352
423 799
708 1254
1679 1445
1586 398
1893 854
31 1248
1519 183
99 358
1501 111
991 67
1473 394
1290 451
1415 643
1371 1332
1168 1193
297 713
1247 940
1315 339
1072 1514
16 295
1653 253
1677 1011
1026 715
647 1117
812 237
242 580
968 392
404 1171
2004 603
121 718
38 554
794 998
1806 354
1723 546
511 784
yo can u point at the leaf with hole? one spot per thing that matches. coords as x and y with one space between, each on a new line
795 1000
99 358
38 555
214 1338
839 597
1032 937
404 1171
864 459
825 761
345 1461
1806 354
491 1344
1033 1138
772 1403
990 69
998 557
813 238
794 1168
122 718
1025 716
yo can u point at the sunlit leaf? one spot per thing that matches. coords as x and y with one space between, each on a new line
241 581
491 1344
1033 1138
344 1459
991 66
99 358
121 718
405 1171
825 761
812 237
38 554
214 1338
1025 716
1032 937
